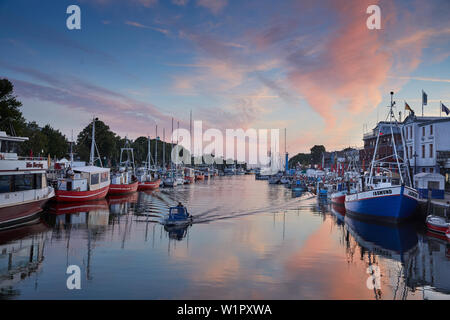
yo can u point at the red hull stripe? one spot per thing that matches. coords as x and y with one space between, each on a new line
74 196
123 188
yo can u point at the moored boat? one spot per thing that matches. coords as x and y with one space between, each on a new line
124 181
437 224
387 193
23 184
148 179
84 183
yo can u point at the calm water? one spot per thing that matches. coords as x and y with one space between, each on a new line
251 240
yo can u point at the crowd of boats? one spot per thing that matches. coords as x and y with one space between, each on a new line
385 193
27 183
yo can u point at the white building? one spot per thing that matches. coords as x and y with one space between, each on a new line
427 142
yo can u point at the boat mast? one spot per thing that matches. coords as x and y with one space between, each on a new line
94 147
391 120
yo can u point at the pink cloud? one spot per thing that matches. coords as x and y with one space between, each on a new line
215 6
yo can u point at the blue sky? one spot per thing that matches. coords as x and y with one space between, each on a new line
312 67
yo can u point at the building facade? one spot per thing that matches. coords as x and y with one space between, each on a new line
427 142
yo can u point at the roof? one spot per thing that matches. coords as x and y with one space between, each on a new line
429 175
91 169
4 136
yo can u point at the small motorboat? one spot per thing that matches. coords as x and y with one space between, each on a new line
438 224
178 216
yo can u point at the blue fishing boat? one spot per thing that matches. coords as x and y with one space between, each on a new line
386 194
178 216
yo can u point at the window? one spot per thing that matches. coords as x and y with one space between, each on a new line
423 169
410 152
431 150
23 182
423 151
431 129
5 184
95 178
410 132
423 131
432 170
104 177
38 181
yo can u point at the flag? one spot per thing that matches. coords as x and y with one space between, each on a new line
424 98
445 109
407 107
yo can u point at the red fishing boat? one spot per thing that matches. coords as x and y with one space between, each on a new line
148 178
84 183
437 224
199 176
124 181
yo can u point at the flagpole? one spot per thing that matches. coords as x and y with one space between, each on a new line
440 108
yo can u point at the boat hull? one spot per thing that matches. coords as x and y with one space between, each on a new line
81 196
149 185
390 205
338 197
15 215
116 189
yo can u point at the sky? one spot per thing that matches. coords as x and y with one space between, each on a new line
312 67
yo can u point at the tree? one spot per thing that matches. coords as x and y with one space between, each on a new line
11 119
303 158
316 153
57 143
106 140
37 144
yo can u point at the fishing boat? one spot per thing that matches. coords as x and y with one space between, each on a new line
170 180
437 224
23 184
199 175
178 216
84 183
148 179
189 175
387 193
274 179
124 180
179 178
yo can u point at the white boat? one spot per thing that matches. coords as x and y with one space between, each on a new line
23 184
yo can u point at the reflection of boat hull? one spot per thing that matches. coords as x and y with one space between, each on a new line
384 239
149 185
392 204
81 196
17 214
123 188
127 198
177 222
69 208
199 177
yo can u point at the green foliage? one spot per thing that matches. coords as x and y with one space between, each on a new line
10 114
57 144
316 153
303 158
107 142
37 144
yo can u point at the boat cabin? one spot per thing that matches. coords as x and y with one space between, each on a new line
86 178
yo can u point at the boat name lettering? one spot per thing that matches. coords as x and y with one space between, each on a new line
382 192
34 165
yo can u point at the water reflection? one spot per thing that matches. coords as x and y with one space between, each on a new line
249 239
